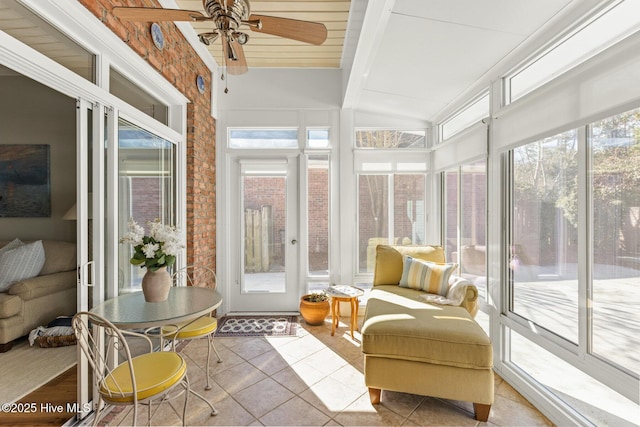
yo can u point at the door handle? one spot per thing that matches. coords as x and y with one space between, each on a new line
294 241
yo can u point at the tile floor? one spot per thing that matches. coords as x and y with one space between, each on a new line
314 379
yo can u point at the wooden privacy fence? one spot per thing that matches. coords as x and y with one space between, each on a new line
259 239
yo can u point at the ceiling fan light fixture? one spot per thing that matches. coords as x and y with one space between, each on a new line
208 38
241 38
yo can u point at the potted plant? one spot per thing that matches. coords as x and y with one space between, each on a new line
155 252
314 307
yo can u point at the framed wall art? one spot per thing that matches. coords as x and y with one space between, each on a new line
25 189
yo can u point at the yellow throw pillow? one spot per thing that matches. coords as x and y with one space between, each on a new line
426 276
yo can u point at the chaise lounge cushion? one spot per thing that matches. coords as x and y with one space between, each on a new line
388 269
400 326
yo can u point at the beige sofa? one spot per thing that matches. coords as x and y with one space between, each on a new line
37 301
423 348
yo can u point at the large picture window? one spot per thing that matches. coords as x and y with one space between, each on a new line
390 211
574 258
544 245
615 184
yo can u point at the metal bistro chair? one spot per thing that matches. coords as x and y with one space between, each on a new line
202 327
146 379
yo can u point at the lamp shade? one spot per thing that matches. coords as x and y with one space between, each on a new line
72 213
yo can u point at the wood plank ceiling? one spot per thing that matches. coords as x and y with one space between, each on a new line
19 22
264 50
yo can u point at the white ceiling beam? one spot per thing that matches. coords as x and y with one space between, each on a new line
374 24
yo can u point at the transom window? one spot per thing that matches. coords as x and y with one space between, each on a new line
369 138
263 138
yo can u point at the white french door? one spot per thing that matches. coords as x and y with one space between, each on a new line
265 235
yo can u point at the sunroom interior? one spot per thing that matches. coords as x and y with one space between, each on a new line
507 132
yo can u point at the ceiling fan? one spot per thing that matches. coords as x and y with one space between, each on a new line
228 17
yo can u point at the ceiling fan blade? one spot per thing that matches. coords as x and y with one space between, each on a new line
234 58
149 14
304 31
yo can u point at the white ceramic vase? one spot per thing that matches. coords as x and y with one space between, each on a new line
156 285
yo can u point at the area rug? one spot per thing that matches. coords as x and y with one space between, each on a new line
23 369
257 326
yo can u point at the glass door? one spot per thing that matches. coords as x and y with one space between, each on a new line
146 191
266 226
90 166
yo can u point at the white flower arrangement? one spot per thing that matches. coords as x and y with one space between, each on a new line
158 249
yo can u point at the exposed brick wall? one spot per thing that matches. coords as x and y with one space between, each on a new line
180 65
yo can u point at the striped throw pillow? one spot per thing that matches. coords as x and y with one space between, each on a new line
15 243
426 276
23 262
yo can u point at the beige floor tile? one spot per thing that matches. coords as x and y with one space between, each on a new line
316 379
401 403
239 377
277 342
269 362
435 412
350 376
289 378
295 412
330 396
251 348
506 412
230 413
216 393
363 413
262 397
326 361
309 374
118 415
231 342
504 389
301 348
347 349
229 358
163 416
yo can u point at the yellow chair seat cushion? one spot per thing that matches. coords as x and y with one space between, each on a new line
154 373
197 328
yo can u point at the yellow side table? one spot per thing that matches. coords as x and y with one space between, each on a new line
344 293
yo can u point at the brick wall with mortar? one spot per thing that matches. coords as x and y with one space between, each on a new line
179 64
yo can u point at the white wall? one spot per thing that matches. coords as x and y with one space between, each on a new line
268 88
31 113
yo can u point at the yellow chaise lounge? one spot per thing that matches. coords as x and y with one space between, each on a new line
423 348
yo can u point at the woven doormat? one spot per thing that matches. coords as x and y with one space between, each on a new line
257 326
